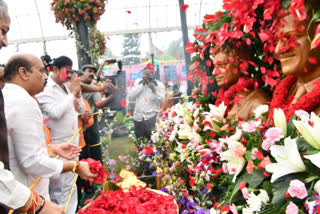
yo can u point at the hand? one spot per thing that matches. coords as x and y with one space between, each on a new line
75 86
66 150
84 171
85 117
51 208
152 86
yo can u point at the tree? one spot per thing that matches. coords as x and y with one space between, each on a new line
175 49
131 49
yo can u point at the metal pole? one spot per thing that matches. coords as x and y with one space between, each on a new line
184 30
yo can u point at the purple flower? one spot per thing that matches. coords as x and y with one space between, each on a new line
112 162
151 166
154 173
164 190
191 205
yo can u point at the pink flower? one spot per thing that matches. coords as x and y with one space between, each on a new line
297 189
266 144
274 134
253 153
292 208
245 193
233 209
250 126
302 114
250 167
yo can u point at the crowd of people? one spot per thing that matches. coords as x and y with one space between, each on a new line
49 123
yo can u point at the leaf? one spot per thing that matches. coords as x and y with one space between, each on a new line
290 126
316 15
311 178
253 180
285 3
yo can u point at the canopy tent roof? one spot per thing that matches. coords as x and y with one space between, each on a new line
32 21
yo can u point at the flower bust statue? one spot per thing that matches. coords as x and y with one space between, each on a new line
298 37
238 91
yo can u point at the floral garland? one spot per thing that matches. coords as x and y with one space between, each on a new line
229 96
69 11
97 43
308 102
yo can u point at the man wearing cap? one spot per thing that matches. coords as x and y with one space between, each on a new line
91 134
148 94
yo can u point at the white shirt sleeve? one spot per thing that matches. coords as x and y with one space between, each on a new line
25 130
54 108
136 90
13 194
160 94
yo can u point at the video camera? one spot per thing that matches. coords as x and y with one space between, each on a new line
47 61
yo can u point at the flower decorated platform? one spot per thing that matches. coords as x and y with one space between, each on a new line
132 197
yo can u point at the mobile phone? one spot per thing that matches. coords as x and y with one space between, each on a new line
111 61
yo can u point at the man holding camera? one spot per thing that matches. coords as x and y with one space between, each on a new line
148 94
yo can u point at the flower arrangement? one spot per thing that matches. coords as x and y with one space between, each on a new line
68 12
97 43
134 201
244 167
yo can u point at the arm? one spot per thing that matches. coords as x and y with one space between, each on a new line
159 93
102 103
12 193
136 90
25 130
86 88
53 107
80 105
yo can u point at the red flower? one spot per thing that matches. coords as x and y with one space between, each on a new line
135 201
192 182
190 48
184 7
298 9
316 40
208 19
225 209
97 168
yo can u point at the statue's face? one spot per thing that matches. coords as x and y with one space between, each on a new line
225 72
293 58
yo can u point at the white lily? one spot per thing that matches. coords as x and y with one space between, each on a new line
234 155
218 112
310 133
173 133
288 160
280 121
260 110
315 159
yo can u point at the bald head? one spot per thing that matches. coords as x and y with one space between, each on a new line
27 71
15 63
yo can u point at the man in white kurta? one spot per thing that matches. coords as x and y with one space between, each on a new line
57 103
28 158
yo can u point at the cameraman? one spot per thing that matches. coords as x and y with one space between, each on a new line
148 94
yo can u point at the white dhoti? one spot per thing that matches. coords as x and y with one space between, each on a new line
60 188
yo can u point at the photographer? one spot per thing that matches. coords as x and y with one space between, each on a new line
148 94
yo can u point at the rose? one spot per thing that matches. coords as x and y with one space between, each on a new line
97 168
